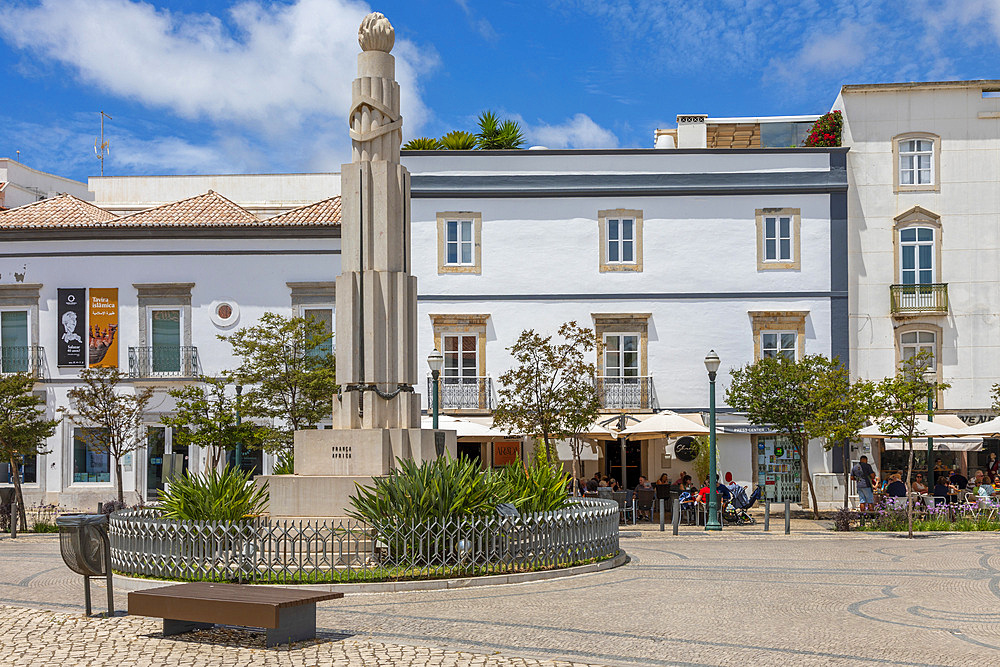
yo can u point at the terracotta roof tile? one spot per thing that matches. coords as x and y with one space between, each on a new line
206 210
325 212
61 211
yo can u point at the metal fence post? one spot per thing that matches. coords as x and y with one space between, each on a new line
788 517
662 508
767 515
676 518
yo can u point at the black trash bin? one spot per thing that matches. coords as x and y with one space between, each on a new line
85 548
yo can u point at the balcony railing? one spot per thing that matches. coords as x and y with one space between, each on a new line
157 362
23 359
626 393
464 393
925 298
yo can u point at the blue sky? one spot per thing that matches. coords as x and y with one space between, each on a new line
213 86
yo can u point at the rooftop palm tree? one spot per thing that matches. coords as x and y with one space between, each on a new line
421 144
458 140
495 134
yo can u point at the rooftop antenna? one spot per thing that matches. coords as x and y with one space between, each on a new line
18 159
101 147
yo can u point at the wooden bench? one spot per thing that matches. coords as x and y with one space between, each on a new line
288 615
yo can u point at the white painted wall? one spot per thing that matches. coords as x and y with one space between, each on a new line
25 185
969 205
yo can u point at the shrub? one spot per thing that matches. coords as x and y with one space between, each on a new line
421 144
228 495
285 465
826 131
843 518
539 487
45 527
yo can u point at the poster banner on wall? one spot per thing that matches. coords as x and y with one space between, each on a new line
72 325
104 327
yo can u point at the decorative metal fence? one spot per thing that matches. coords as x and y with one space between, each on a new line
269 551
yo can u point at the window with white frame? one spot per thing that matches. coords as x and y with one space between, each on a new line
621 240
461 358
913 343
916 249
778 238
916 162
778 343
91 462
459 243
14 341
621 355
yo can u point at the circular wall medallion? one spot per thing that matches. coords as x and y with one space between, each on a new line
225 312
686 449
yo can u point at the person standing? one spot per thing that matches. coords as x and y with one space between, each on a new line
864 477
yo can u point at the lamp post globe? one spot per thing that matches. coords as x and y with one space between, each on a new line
712 363
436 362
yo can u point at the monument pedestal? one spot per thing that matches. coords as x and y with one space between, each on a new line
328 463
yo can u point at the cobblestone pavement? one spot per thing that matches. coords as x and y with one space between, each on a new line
735 598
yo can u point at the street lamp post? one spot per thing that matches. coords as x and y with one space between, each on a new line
436 363
930 441
239 445
712 363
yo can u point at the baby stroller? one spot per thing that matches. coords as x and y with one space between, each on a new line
735 512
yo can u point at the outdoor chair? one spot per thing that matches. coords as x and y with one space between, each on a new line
663 493
604 492
644 501
626 505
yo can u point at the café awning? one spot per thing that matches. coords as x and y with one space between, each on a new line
664 424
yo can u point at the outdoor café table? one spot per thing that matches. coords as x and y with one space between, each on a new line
286 614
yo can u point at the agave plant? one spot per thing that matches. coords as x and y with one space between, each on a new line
495 134
421 144
226 495
458 140
442 488
539 487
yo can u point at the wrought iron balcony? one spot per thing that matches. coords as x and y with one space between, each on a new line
626 393
925 298
23 359
161 361
464 393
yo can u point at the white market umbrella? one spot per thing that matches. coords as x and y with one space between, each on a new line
924 428
465 430
990 429
663 424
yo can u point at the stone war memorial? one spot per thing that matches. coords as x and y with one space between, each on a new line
376 416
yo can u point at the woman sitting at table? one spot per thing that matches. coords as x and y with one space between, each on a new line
918 484
896 488
944 490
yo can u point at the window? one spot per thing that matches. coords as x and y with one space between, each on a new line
913 342
165 340
778 238
778 343
916 246
917 158
461 363
621 240
325 317
14 341
621 355
460 242
89 464
28 469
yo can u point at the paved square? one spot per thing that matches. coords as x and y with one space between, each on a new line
743 597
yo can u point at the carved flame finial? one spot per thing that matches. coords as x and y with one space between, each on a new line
376 33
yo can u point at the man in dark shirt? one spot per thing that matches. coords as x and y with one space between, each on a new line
959 480
943 489
864 475
896 488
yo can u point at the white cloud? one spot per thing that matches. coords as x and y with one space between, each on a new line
580 131
279 72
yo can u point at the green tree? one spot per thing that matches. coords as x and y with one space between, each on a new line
550 391
903 400
458 140
289 372
495 134
112 419
23 428
421 144
803 400
205 416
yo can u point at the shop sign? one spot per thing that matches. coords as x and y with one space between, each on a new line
505 452
746 428
104 327
72 324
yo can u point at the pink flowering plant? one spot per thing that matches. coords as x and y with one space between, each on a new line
826 130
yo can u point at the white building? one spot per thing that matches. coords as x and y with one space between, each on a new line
20 185
924 211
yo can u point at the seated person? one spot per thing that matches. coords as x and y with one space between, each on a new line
978 478
592 485
918 484
896 488
604 482
958 480
643 483
939 466
943 490
664 479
